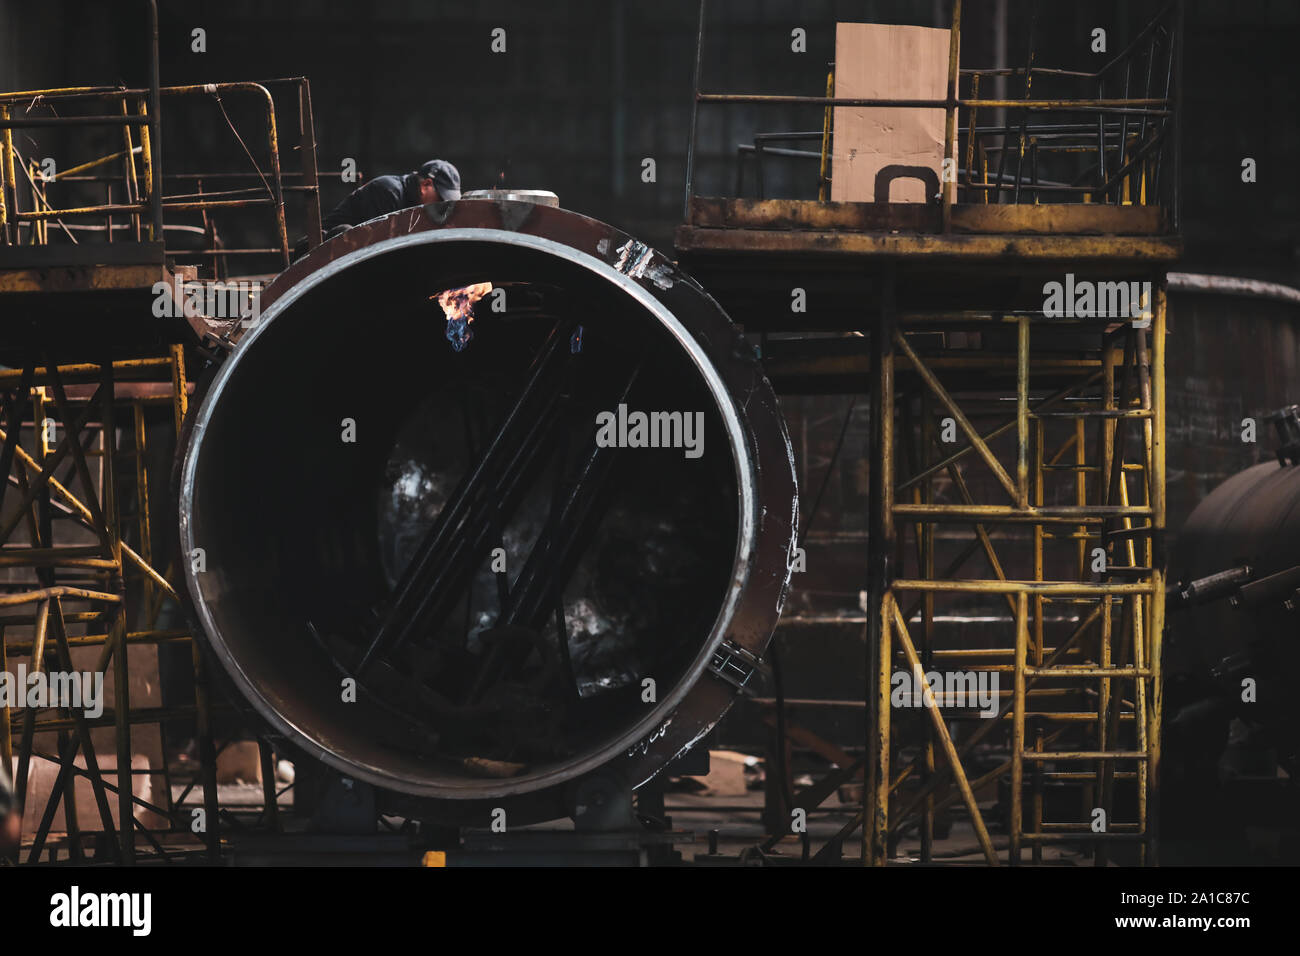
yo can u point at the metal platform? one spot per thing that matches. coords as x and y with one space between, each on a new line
753 230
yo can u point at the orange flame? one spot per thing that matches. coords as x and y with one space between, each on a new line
458 304
458 307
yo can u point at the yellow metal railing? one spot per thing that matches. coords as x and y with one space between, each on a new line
144 202
1121 119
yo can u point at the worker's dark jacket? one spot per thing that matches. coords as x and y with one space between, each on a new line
380 196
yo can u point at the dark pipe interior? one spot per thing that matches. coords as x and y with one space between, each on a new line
305 535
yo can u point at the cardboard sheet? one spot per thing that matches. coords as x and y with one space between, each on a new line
885 61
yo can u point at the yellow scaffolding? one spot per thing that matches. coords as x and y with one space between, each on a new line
1083 646
85 595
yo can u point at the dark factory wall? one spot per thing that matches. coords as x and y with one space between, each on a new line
1212 389
586 91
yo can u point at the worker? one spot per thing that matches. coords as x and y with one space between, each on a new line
435 181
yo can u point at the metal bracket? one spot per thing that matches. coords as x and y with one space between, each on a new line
1287 422
734 664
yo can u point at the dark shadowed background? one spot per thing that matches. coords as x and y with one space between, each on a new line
586 90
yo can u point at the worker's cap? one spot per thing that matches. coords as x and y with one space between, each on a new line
445 176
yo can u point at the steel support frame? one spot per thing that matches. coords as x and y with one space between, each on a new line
1082 649
83 588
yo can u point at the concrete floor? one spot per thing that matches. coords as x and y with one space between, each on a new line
737 818
739 824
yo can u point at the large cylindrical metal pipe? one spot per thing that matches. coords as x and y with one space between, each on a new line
1241 643
464 575
1251 521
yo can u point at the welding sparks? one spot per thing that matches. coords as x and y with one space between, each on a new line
458 307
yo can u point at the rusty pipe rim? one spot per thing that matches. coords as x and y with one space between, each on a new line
746 484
